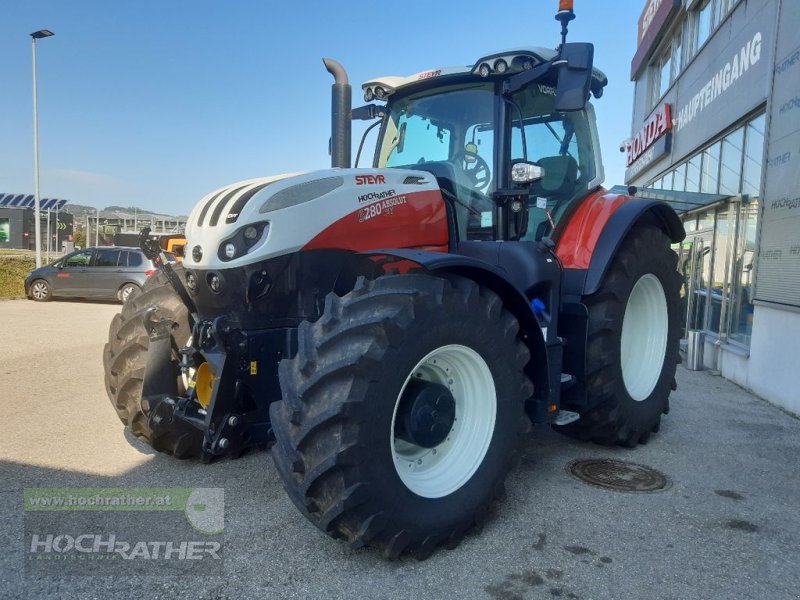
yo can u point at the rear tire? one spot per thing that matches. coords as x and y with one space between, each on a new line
128 292
337 447
125 357
633 343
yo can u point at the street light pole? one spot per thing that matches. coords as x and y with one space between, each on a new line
58 248
37 35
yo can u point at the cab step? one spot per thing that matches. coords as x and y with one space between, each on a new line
565 417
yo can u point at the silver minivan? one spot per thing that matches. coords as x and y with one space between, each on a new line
108 273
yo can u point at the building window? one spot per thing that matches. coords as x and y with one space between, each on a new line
704 23
703 18
679 178
718 254
741 319
753 157
660 74
677 59
693 173
721 281
723 8
709 184
699 25
666 68
731 163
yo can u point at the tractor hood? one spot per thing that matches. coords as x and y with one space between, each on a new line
258 219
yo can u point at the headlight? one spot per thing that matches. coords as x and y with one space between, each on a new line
242 241
215 282
191 281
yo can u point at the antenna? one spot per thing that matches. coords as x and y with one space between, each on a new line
564 15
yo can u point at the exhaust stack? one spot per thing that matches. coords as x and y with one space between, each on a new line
341 106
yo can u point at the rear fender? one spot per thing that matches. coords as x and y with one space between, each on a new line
633 211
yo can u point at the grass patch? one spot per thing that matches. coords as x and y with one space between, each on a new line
13 269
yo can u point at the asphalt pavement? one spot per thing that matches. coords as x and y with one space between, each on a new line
728 526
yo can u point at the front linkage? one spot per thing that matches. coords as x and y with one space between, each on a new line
220 367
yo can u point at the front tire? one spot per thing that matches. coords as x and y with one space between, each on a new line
337 429
633 343
125 357
40 291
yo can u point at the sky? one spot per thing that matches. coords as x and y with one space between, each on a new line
156 103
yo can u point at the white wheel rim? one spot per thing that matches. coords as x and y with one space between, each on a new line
440 471
126 292
644 337
39 290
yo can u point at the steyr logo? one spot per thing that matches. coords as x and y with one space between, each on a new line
369 179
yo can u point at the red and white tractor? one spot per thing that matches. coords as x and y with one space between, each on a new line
390 331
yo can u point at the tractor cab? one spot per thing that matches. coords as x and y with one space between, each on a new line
470 126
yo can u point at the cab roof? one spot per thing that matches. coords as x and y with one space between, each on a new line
506 61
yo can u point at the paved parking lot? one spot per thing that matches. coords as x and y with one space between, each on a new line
728 527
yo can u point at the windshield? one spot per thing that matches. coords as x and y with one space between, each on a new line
450 133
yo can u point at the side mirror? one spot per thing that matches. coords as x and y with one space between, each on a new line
574 76
524 173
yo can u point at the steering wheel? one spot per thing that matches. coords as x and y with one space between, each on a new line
476 169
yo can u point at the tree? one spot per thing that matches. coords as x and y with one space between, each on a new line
79 237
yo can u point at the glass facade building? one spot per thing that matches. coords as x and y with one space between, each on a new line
727 72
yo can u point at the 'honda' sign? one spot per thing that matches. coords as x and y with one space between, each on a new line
659 123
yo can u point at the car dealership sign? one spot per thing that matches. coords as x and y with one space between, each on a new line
652 20
659 123
652 143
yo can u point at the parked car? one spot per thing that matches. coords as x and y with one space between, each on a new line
109 272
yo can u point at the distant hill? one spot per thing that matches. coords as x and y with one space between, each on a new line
80 211
129 209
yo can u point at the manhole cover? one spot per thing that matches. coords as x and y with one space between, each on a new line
618 475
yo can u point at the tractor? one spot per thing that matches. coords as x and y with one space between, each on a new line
391 331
